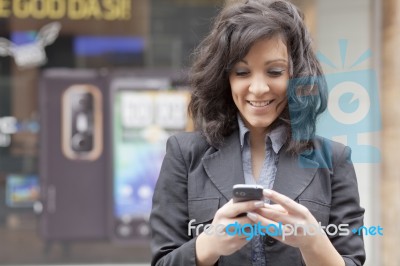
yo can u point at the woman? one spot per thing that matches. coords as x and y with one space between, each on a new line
257 91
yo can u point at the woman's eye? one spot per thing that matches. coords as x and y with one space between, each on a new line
276 73
241 73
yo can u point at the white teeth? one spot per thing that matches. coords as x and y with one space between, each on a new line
260 104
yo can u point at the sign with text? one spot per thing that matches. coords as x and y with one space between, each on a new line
109 10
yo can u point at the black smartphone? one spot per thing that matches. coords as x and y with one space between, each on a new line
246 192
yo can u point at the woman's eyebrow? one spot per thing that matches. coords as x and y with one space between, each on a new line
267 62
275 60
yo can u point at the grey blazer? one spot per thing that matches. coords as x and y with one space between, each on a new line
196 179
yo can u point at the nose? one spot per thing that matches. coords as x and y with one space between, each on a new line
258 85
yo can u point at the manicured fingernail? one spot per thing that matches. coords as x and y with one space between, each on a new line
267 192
252 216
259 204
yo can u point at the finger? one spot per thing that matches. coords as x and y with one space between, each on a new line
275 215
276 207
238 222
234 209
276 230
242 220
241 228
226 206
286 202
270 227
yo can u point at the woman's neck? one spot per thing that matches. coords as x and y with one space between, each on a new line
257 137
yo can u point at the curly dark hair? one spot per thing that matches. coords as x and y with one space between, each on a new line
235 30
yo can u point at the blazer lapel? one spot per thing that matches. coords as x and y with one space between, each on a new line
294 174
224 167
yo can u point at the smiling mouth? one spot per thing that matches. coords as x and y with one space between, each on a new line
260 104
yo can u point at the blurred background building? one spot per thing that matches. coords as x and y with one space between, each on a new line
86 104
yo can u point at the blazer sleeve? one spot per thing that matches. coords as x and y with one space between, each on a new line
170 242
346 209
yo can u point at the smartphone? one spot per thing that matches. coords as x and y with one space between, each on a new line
246 192
144 113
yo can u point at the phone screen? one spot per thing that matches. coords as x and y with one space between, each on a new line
142 122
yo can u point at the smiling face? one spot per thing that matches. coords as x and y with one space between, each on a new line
259 82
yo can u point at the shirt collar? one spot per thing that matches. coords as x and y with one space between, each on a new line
242 131
277 135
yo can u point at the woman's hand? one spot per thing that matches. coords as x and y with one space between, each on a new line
314 244
209 247
299 227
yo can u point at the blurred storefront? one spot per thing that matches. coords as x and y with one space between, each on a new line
73 189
